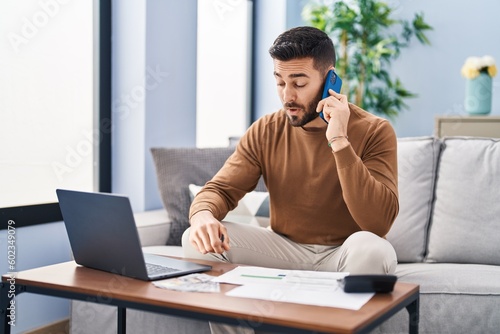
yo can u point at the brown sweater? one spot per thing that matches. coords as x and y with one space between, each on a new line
316 197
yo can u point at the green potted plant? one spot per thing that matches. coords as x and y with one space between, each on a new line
368 39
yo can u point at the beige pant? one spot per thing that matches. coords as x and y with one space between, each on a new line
362 253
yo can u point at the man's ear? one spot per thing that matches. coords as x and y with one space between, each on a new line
330 68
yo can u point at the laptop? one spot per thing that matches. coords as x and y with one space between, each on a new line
103 235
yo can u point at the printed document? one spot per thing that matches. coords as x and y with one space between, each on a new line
293 286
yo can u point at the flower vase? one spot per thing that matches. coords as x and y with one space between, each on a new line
478 95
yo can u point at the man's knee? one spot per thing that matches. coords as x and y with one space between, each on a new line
187 247
185 238
368 253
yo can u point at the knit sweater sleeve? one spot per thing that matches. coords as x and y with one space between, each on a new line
369 180
238 176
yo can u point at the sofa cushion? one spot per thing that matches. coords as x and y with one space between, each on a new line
465 225
153 227
176 168
454 298
417 161
451 278
252 209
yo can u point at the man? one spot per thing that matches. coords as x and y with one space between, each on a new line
332 186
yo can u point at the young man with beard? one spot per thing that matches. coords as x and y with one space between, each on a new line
332 186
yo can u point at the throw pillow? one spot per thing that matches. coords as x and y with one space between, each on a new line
252 209
417 163
176 168
465 225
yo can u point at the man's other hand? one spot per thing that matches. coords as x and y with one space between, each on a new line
208 235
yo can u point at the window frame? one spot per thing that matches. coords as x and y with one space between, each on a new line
28 215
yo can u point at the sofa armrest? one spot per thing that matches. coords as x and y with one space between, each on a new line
153 227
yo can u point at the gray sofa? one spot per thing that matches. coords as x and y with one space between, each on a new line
446 236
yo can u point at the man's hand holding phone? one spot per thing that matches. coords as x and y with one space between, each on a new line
332 82
334 109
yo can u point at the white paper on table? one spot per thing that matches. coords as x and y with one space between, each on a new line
259 275
293 286
322 296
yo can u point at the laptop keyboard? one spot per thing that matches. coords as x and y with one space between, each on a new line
154 269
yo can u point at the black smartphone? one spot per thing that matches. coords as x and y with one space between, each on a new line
334 82
369 283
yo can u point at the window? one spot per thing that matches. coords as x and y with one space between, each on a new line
224 57
55 92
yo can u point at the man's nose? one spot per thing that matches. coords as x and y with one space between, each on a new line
288 94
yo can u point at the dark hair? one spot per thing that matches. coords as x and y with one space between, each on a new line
304 42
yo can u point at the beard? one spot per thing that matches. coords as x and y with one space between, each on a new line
309 111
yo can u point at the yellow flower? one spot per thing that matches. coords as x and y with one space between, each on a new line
469 72
475 65
492 70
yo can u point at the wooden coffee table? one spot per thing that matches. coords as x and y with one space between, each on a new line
69 280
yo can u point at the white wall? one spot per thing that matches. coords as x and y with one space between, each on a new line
271 21
171 103
154 101
129 96
461 29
